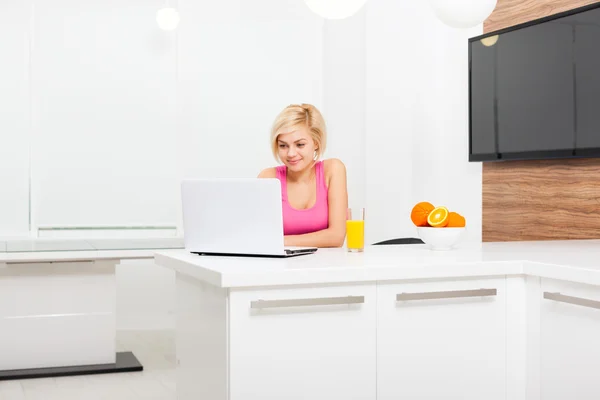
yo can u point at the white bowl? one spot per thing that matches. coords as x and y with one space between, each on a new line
441 238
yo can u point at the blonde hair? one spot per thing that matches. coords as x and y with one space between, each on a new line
300 114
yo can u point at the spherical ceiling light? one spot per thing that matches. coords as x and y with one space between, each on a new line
335 9
167 18
462 13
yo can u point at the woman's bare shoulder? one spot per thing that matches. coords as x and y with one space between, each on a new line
334 166
268 173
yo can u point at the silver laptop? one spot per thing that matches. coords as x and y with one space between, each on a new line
241 217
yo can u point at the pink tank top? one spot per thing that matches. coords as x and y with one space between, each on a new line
315 218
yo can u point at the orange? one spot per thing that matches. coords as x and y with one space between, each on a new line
455 220
438 217
419 213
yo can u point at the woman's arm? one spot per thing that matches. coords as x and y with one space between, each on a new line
268 173
335 234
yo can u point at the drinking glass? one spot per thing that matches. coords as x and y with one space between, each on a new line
355 229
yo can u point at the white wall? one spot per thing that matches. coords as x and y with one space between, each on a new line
116 112
14 117
239 64
441 171
344 54
417 119
392 76
121 111
103 115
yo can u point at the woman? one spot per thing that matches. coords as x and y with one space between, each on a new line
314 192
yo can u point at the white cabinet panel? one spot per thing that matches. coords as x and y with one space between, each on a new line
313 343
61 340
569 332
442 340
57 314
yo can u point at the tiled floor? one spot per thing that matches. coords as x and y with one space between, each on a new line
156 352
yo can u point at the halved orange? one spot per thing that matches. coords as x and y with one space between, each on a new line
438 217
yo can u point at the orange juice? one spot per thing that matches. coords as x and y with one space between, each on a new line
355 234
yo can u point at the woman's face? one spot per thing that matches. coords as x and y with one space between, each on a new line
296 148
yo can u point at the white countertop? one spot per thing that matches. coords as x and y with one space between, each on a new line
574 260
41 250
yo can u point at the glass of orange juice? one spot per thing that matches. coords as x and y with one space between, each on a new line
355 229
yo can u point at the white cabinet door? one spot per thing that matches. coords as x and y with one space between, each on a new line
569 341
442 340
303 343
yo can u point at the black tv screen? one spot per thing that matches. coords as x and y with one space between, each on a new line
534 89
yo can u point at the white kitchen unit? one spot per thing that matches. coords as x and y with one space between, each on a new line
307 343
59 314
58 305
324 337
569 335
487 321
442 340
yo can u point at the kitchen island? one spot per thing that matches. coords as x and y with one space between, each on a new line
485 321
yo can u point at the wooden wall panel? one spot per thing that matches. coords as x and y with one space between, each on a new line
539 199
514 12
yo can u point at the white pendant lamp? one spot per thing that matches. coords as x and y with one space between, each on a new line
335 9
462 13
167 18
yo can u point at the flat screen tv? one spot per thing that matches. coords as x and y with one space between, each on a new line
534 89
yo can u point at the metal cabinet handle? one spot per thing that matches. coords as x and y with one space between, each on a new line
324 301
453 294
578 301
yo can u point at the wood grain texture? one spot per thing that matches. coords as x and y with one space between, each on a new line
539 199
514 12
